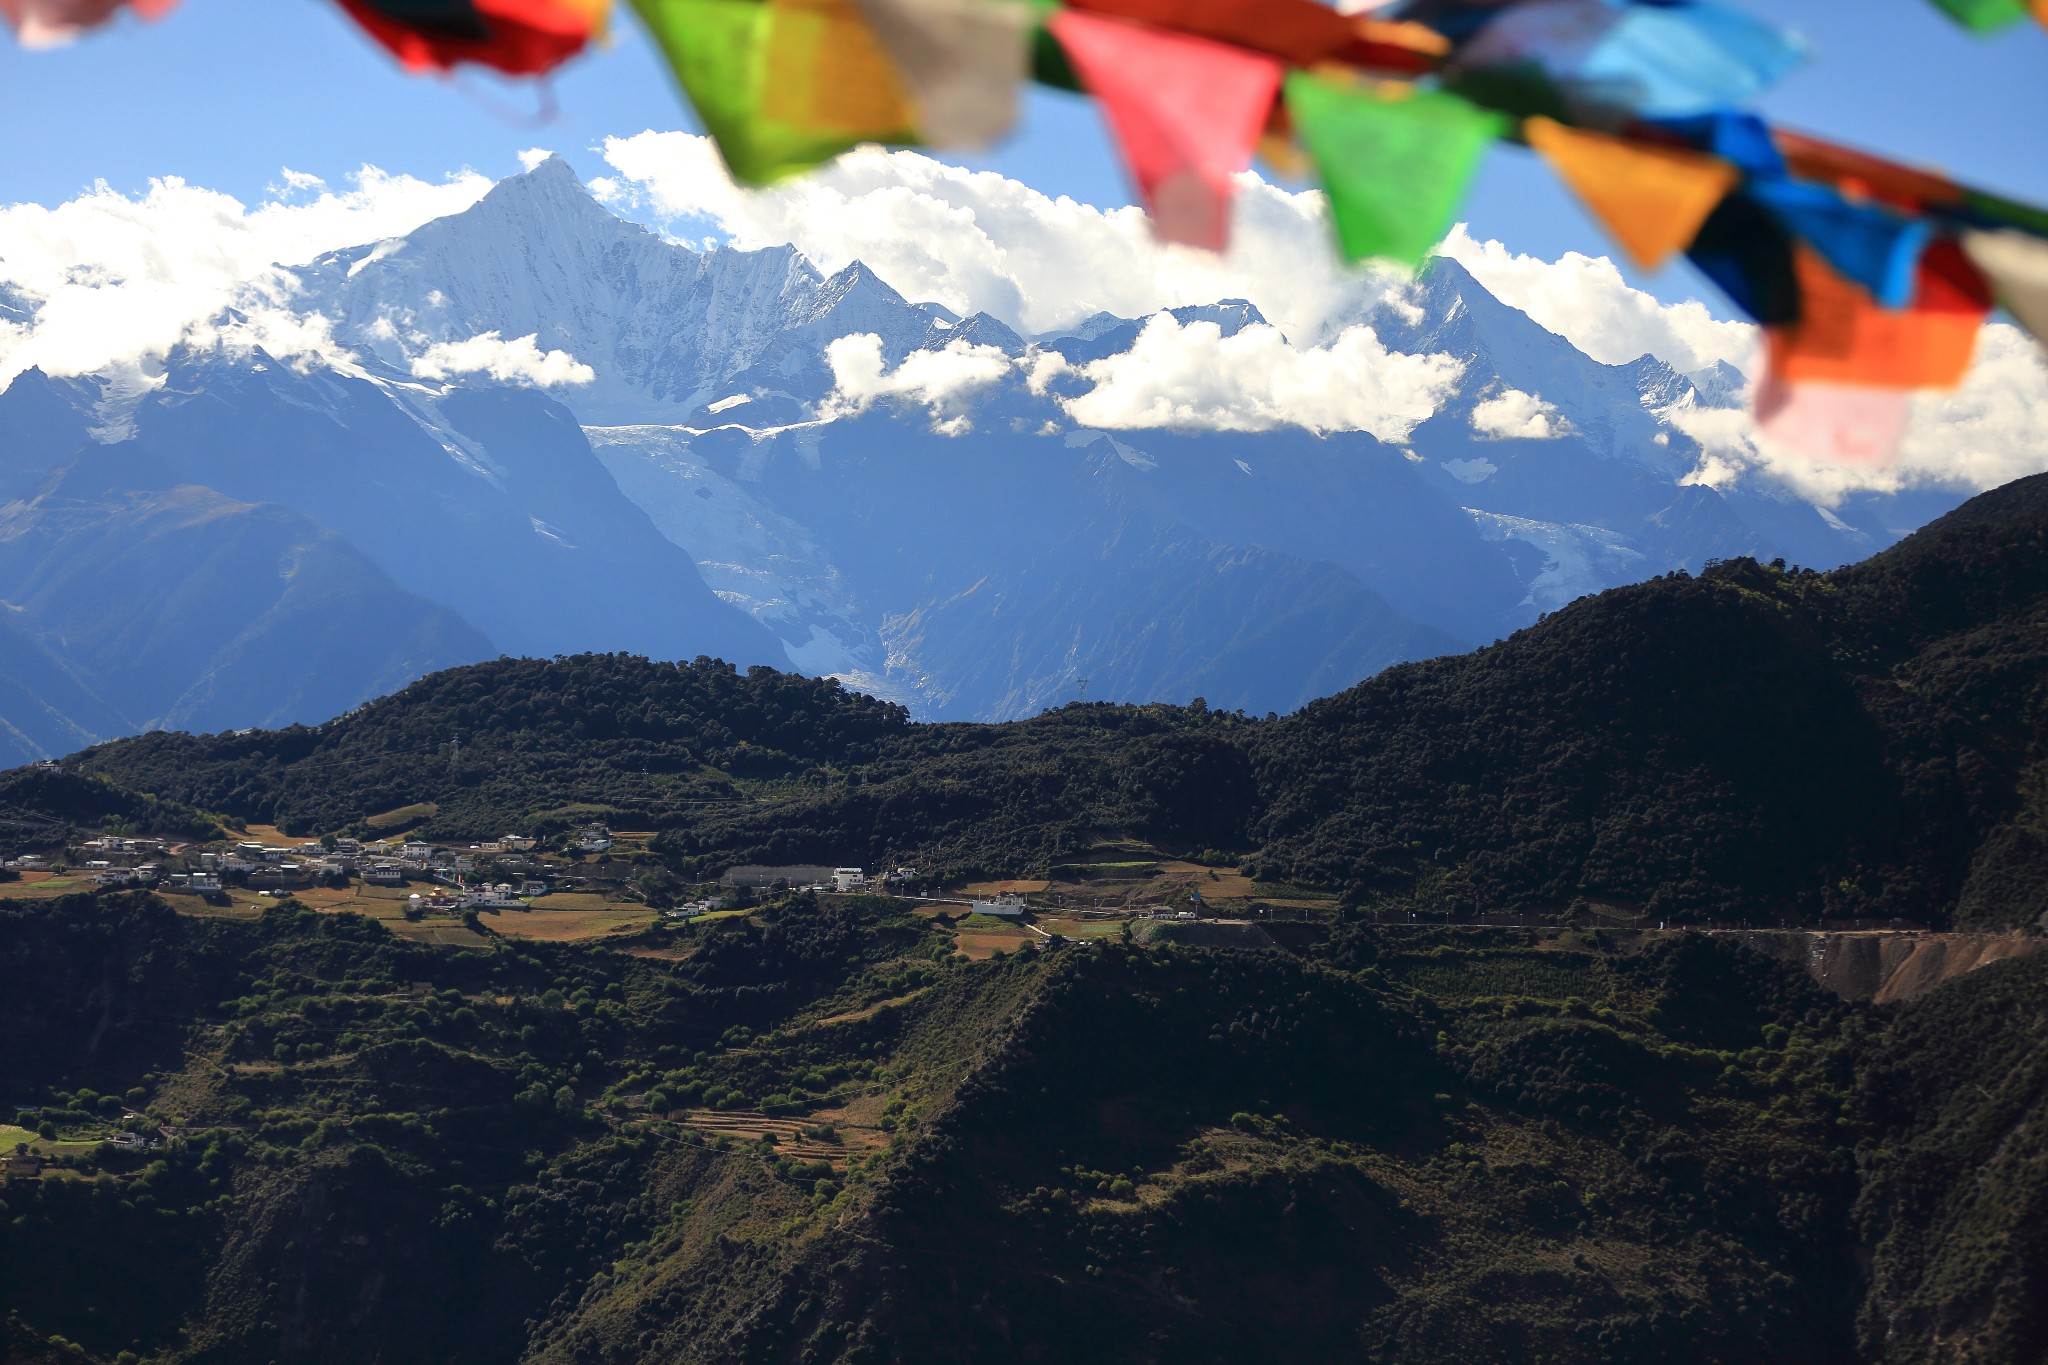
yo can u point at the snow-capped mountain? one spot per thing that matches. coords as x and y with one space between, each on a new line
542 428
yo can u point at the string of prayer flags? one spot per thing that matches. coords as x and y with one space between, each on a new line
1653 199
1394 163
2016 263
782 86
1187 113
517 37
962 63
51 23
1835 422
1842 336
1876 247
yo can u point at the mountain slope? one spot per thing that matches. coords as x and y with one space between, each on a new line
189 610
1753 744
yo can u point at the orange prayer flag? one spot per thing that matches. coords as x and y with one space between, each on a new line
1652 198
1187 113
1843 337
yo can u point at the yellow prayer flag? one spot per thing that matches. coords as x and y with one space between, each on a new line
1653 199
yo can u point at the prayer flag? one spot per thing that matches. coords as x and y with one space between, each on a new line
49 23
1984 16
1187 113
517 37
1665 60
2016 263
1832 422
961 62
1653 199
1743 249
1395 167
1842 337
782 86
1872 245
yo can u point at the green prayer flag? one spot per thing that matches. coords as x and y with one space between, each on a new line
1396 169
780 88
1984 16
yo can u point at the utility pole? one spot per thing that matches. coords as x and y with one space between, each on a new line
1080 689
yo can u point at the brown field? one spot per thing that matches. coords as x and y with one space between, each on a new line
267 834
977 944
553 925
991 888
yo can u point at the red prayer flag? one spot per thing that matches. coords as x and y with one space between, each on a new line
517 37
1187 113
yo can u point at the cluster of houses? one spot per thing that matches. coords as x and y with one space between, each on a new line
500 873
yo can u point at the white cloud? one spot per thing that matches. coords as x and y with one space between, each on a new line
116 281
1471 471
1192 375
1585 300
1512 414
519 361
976 241
941 380
533 156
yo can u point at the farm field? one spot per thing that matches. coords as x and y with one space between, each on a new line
549 923
979 944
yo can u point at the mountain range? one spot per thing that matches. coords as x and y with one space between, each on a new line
252 538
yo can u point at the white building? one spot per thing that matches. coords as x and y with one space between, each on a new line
848 879
1006 905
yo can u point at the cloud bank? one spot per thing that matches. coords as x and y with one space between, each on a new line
113 280
941 380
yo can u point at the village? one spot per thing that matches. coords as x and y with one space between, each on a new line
593 882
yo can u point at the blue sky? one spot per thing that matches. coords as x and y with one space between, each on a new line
225 93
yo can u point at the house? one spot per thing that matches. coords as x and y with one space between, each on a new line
349 846
29 864
1006 905
283 877
515 843
848 879
533 887
593 839
203 883
417 853
384 874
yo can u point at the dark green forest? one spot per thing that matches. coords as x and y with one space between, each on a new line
1753 743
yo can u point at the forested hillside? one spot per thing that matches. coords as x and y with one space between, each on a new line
1400 1145
1754 742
